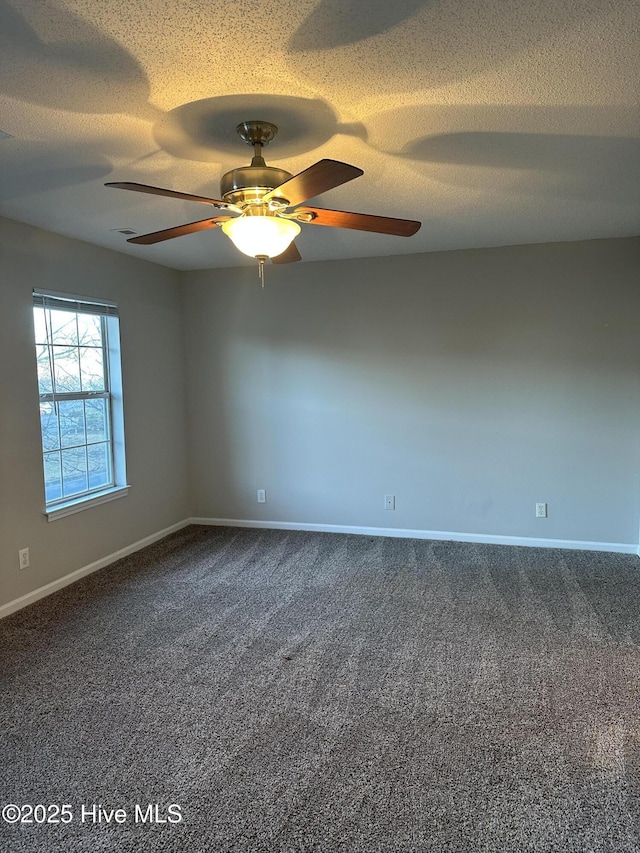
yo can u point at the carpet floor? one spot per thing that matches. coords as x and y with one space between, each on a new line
263 691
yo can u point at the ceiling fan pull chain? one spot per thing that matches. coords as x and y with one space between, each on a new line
261 270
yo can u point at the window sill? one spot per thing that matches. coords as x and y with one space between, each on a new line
80 504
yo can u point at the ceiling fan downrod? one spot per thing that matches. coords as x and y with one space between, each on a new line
258 134
248 184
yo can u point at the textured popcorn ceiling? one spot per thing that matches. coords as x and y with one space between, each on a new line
494 123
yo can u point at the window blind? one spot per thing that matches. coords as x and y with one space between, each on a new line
64 302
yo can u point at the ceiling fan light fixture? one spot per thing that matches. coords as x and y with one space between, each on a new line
261 236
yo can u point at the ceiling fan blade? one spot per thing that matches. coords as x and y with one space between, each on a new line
145 188
360 221
289 256
178 231
322 176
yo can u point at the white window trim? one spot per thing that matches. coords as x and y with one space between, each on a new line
79 504
121 488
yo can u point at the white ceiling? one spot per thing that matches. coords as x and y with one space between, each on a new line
494 123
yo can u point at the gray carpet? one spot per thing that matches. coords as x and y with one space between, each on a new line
300 692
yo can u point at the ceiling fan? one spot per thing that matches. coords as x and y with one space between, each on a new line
263 203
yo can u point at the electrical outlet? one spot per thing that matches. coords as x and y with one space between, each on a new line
23 558
262 496
389 501
541 510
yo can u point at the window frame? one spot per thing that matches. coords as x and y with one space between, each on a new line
112 393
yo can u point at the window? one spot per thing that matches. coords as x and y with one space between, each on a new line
80 386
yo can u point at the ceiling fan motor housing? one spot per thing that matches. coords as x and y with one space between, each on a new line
250 183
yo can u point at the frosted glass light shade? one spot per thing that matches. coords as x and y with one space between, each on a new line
261 236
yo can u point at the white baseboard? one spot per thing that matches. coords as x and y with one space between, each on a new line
397 532
447 535
47 589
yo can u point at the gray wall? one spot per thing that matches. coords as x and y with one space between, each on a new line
469 384
152 355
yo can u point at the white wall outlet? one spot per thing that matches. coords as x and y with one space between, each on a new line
262 496
389 501
541 510
23 558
